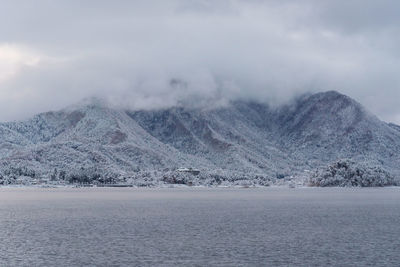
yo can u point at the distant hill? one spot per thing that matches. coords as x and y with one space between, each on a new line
242 139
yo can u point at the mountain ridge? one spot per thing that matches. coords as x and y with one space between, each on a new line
243 138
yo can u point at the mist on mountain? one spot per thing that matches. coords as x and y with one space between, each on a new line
238 141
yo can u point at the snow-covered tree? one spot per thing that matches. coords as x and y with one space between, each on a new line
346 173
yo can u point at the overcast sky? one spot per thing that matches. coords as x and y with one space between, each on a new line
55 53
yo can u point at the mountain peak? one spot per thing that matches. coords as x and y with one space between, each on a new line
332 96
331 93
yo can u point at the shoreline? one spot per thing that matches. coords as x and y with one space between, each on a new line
197 187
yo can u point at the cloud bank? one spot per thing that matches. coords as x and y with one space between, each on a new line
149 54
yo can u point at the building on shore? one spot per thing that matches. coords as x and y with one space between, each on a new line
189 170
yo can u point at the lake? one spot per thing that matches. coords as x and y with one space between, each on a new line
199 227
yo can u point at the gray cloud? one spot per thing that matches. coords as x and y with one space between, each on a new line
145 54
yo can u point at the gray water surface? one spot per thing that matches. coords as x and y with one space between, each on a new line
199 227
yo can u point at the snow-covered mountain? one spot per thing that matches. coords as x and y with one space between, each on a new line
240 139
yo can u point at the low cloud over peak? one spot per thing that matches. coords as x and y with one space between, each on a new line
149 54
